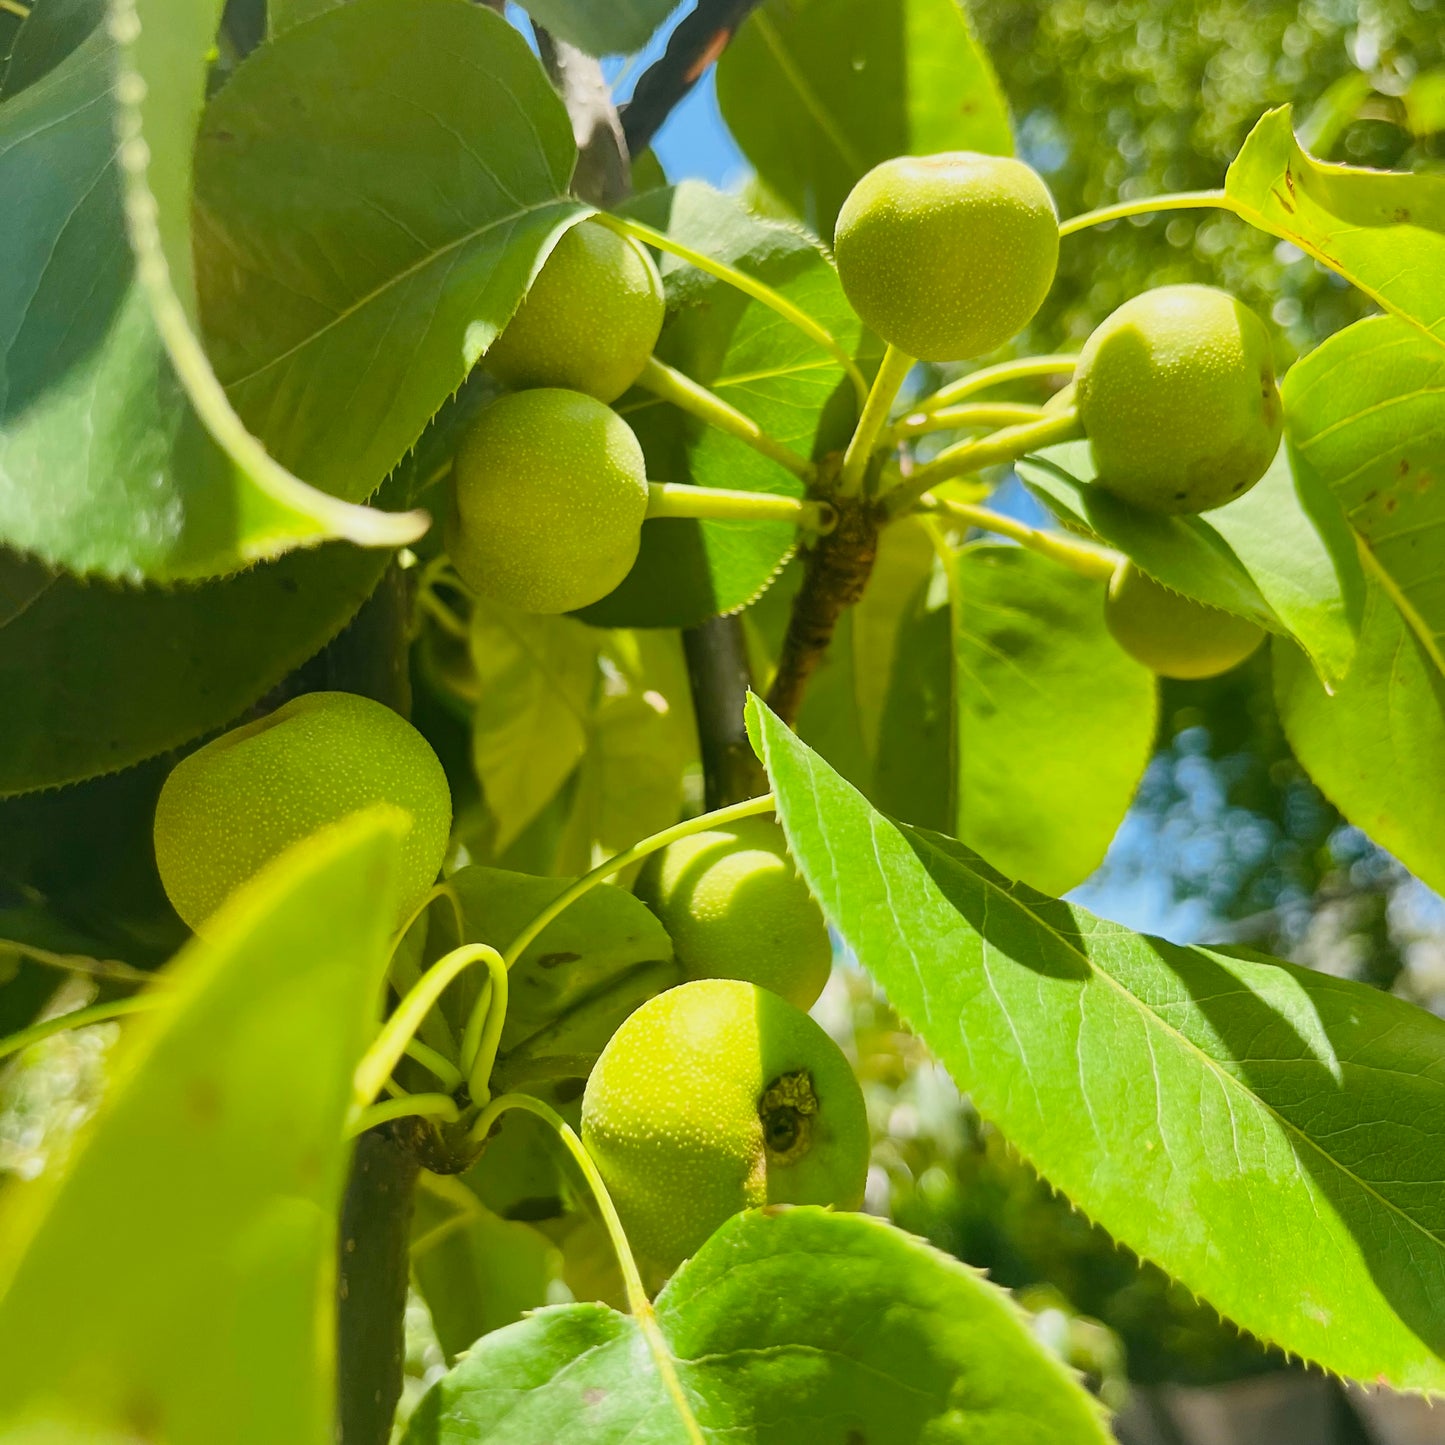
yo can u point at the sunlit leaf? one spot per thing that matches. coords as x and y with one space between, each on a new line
618 27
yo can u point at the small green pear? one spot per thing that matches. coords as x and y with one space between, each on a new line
1174 635
719 1096
590 321
232 806
550 492
736 907
947 256
1177 396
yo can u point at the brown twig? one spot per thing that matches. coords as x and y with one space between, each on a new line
696 43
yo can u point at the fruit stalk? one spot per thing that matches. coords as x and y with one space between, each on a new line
834 575
677 499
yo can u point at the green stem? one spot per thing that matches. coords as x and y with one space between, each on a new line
484 1029
748 285
677 499
425 1106
989 376
1080 557
112 970
1007 445
892 370
390 1044
568 896
637 1300
1175 201
960 418
96 1013
692 396
435 1062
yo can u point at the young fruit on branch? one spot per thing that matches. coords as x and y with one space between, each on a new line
1177 396
714 1097
947 256
590 320
736 907
550 490
230 807
1174 635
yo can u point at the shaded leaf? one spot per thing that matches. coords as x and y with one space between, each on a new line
210 1180
22 580
787 1325
95 678
617 28
754 359
1055 721
819 91
1366 422
1376 747
374 191
1382 230
1268 1135
118 454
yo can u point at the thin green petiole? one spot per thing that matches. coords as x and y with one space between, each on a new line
389 1046
404 978
674 386
484 1029
892 370
110 969
1020 369
1081 557
14 7
96 1013
1006 445
1174 201
677 499
425 1106
637 1300
436 1062
959 418
748 285
628 856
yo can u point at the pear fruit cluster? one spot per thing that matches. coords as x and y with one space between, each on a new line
549 484
234 805
719 1096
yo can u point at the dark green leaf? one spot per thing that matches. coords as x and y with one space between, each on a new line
757 361
362 239
1366 422
1055 721
788 1325
819 91
118 455
22 580
176 1277
1270 1136
95 678
617 28
1382 230
1376 745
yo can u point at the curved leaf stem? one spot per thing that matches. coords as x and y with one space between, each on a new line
436 1062
1020 369
866 437
637 1300
748 285
424 1106
677 499
110 969
484 1029
1147 205
1081 557
96 1013
671 385
1005 445
619 861
958 418
389 1046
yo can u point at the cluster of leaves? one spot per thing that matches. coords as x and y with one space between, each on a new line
236 335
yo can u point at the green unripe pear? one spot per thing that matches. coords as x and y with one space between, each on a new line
718 1096
1171 634
550 490
947 256
1177 396
589 322
736 907
232 806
